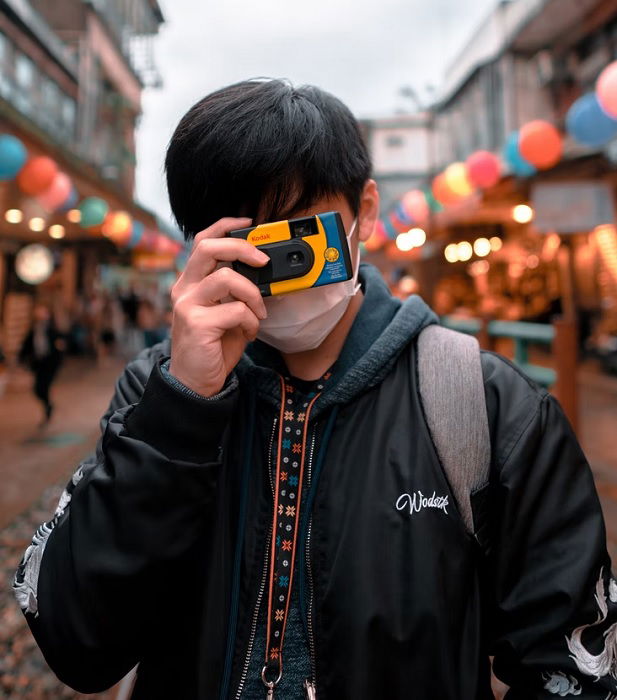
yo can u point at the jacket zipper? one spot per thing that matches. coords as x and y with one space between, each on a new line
310 685
262 586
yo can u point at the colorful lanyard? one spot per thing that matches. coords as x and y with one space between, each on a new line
293 430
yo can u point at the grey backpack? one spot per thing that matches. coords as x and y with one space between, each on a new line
452 394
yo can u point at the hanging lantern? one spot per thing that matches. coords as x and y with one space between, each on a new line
391 232
13 156
540 144
137 231
606 89
416 206
117 227
433 204
588 123
34 264
57 193
397 223
512 155
483 169
457 179
37 175
442 193
93 211
70 202
403 215
165 246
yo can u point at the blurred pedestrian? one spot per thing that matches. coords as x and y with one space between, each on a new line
149 322
42 350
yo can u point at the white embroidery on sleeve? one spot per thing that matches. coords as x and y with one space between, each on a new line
560 684
605 663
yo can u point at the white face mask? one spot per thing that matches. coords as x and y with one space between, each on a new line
302 320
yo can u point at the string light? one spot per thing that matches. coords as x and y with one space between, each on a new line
533 261
522 213
14 216
36 223
465 251
404 242
451 253
73 215
417 237
57 231
480 267
496 243
482 247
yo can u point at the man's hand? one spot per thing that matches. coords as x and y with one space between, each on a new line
208 334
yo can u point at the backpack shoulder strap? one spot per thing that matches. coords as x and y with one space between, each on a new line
452 394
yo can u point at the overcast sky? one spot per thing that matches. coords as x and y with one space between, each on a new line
363 51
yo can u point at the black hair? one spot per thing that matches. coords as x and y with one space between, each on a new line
263 149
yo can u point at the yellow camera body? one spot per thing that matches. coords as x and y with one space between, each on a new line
304 253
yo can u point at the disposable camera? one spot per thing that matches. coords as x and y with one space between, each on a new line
304 253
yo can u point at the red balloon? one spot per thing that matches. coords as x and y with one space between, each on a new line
442 193
540 144
415 204
484 169
37 175
57 193
606 89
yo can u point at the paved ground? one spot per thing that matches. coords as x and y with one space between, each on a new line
33 458
34 464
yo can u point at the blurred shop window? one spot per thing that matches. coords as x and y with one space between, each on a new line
394 141
69 111
6 67
50 104
24 78
494 109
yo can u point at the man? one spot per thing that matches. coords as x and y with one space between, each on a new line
253 525
42 350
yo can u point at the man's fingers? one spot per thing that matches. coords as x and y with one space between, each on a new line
222 227
225 282
235 314
210 251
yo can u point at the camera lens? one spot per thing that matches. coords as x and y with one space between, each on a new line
296 258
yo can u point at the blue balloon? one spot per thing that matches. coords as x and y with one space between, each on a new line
70 201
389 228
402 215
588 123
515 160
137 231
13 156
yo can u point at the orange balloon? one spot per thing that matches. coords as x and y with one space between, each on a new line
457 179
540 144
442 193
37 175
117 226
